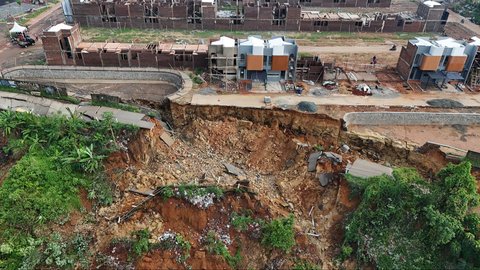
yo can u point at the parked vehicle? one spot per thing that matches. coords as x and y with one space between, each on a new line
19 35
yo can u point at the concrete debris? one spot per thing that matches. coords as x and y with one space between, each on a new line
333 156
307 106
364 169
202 201
326 178
345 148
167 139
233 170
144 192
312 161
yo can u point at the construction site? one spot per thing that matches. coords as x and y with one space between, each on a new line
429 17
258 151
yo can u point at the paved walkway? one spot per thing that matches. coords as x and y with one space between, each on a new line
256 100
45 106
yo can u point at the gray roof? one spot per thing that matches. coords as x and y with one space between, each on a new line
364 169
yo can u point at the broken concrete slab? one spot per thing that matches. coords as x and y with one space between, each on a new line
167 139
233 170
326 178
333 156
144 192
312 161
345 148
365 169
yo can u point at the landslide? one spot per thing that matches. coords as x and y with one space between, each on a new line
272 150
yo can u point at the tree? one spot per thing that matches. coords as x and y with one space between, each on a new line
405 222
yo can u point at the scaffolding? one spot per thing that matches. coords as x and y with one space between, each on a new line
223 69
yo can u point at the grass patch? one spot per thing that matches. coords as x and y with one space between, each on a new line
216 246
279 233
176 242
121 106
23 20
93 34
241 222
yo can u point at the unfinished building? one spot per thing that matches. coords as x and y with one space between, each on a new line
63 46
253 59
266 60
59 43
245 16
222 57
436 62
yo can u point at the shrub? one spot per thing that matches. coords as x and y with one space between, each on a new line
140 244
279 233
407 223
305 265
61 155
216 246
241 222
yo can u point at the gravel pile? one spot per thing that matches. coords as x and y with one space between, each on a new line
444 103
307 106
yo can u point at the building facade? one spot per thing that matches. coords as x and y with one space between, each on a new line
63 45
244 16
436 61
266 60
253 59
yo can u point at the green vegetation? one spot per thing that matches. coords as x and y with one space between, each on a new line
305 265
216 246
279 233
93 34
241 222
405 222
26 18
140 244
176 242
59 156
121 106
468 8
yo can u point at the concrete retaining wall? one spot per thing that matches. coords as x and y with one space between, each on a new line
93 73
410 118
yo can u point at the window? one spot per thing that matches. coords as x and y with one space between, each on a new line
320 23
400 23
124 56
373 1
358 23
179 57
134 56
338 1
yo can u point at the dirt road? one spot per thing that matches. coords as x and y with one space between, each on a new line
256 100
454 17
347 49
11 54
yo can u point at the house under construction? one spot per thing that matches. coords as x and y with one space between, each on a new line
437 61
253 59
63 45
251 15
